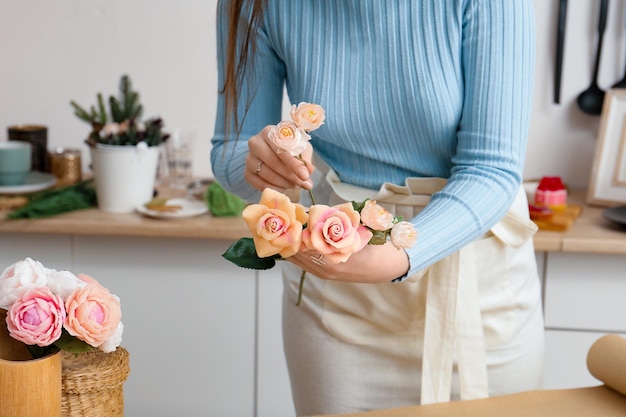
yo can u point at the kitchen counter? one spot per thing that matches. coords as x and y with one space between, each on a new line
176 267
590 233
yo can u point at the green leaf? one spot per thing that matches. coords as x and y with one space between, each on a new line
222 203
243 253
359 206
379 237
71 344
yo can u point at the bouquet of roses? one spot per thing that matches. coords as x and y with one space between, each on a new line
281 228
50 310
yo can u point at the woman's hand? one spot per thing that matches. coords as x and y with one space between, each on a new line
267 168
373 264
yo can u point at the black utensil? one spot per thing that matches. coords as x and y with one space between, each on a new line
560 46
590 100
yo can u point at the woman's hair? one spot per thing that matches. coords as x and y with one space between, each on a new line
244 19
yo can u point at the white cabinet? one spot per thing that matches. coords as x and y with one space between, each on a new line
189 317
273 389
189 320
584 299
205 336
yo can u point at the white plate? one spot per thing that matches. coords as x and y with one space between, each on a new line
36 181
189 208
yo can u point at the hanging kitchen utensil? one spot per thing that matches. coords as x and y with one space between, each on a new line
590 100
560 46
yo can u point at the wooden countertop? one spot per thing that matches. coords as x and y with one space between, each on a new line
590 233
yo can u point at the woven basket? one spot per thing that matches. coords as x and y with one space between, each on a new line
93 383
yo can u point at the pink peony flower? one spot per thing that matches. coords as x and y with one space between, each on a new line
93 314
287 136
335 232
19 277
276 224
37 317
403 235
308 116
376 217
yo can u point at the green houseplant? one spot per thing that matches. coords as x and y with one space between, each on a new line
124 126
124 149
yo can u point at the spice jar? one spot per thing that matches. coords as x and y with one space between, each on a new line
66 166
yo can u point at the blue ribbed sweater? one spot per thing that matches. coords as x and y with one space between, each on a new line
425 88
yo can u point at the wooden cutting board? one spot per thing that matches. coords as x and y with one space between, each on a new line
561 220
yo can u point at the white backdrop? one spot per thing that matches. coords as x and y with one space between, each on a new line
53 52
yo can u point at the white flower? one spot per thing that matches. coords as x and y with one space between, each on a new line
308 116
375 216
287 136
403 235
114 341
19 277
63 282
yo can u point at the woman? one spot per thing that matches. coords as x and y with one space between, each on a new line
427 110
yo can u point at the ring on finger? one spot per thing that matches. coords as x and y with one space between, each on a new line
318 260
258 168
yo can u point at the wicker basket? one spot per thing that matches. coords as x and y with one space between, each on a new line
93 383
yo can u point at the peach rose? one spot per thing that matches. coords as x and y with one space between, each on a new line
276 224
376 217
37 317
19 277
308 116
403 235
335 232
93 314
289 137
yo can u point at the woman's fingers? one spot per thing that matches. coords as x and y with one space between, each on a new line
269 167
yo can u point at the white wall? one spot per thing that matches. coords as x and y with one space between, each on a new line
55 51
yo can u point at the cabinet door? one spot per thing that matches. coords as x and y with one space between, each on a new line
584 299
274 391
566 359
586 292
189 323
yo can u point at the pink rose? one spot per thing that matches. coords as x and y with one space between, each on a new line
93 314
308 116
276 224
403 235
19 277
335 232
36 318
376 217
289 137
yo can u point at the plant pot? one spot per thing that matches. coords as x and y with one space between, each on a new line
28 387
124 175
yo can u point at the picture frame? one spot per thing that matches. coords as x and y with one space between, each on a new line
607 185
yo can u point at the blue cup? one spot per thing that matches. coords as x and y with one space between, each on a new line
15 162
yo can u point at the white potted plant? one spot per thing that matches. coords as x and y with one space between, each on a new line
124 150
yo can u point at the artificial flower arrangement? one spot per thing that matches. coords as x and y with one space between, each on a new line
124 127
50 310
281 228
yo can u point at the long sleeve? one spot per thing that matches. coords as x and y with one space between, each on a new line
411 88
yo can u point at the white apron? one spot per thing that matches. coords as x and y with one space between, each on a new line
448 314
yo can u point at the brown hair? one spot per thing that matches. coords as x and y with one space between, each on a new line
244 19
